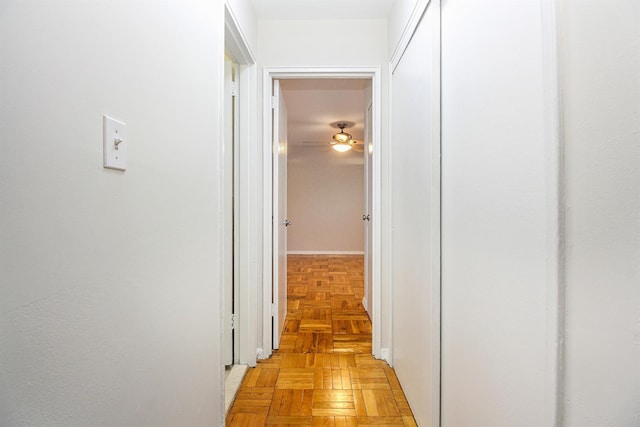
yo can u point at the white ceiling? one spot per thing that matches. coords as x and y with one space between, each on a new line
313 104
322 9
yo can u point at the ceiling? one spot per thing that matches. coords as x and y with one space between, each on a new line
313 104
322 9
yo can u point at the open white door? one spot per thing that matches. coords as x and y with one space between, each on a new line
368 206
280 221
228 178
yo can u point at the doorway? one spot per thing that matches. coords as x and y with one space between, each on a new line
234 371
240 208
272 226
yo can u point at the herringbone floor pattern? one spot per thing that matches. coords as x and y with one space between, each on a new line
323 374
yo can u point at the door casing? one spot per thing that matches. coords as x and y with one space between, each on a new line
230 181
248 217
281 73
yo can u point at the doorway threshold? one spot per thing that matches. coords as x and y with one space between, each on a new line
232 382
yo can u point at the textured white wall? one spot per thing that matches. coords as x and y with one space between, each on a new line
493 214
601 65
325 200
109 303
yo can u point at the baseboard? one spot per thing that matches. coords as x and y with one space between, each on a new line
325 252
385 354
260 355
365 304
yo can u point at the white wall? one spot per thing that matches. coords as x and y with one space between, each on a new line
110 298
325 200
494 211
302 43
600 59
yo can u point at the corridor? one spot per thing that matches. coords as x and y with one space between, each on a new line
323 374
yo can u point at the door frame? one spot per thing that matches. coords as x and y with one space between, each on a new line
281 73
248 217
230 202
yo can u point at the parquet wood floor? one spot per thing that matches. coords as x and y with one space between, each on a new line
323 374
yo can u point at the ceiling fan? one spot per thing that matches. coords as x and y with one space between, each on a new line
342 141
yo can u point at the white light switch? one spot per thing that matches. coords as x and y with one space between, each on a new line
115 143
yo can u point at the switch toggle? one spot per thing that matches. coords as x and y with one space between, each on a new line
115 143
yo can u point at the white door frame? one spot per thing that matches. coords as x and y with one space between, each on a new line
230 213
248 217
271 73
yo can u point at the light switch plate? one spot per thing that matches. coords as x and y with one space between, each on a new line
115 143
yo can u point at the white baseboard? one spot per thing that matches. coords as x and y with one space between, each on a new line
365 304
385 354
325 252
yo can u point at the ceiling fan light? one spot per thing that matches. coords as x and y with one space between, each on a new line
341 147
341 137
343 140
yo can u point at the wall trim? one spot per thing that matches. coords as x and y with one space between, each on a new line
235 41
218 191
407 34
554 137
325 252
365 304
436 242
249 197
247 269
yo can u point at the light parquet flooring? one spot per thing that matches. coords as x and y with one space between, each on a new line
323 374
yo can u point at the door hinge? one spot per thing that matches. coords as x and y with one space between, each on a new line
275 102
234 89
234 321
274 309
